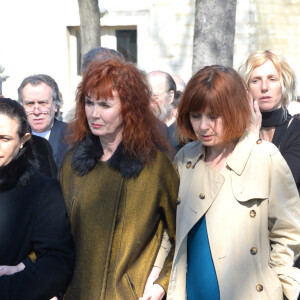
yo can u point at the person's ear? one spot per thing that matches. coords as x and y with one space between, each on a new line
171 97
25 138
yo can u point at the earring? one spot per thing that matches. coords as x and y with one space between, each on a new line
21 146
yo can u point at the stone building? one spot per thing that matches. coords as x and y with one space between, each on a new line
42 36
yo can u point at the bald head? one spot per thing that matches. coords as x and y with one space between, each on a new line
180 84
163 91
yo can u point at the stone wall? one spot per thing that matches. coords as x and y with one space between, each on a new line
268 24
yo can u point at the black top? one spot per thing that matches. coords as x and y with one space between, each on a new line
286 138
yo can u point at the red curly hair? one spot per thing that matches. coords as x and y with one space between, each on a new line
141 134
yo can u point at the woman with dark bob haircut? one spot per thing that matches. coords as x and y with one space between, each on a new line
120 188
33 217
238 230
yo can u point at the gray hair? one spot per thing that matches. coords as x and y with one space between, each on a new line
37 80
100 54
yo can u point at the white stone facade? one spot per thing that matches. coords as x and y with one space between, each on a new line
38 36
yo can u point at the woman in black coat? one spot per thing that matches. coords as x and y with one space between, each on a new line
32 217
272 83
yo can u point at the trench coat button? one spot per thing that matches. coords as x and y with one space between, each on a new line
188 164
202 196
259 288
178 200
259 141
253 251
252 213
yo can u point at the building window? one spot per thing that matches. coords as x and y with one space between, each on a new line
122 39
127 44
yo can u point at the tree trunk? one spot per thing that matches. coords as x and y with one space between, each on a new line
214 33
90 36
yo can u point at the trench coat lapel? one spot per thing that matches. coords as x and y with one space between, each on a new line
198 189
246 178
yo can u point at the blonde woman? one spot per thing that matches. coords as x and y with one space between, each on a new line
272 83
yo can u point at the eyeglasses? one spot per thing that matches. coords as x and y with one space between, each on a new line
42 105
155 96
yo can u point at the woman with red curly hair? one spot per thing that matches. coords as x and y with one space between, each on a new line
120 188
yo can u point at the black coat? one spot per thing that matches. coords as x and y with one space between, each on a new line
47 165
287 139
33 219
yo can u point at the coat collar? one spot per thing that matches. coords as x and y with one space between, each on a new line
241 153
88 151
238 158
20 170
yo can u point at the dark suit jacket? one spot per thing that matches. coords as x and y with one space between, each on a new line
57 141
172 129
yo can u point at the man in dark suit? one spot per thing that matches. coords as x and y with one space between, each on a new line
41 99
47 165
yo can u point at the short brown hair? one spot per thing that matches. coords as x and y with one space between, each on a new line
222 91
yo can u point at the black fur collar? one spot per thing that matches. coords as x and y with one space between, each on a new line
88 151
20 169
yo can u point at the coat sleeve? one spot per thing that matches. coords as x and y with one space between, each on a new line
164 250
166 245
52 242
284 226
169 183
291 150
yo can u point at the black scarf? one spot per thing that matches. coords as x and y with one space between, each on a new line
274 118
278 118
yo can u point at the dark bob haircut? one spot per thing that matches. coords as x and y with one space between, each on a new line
15 110
141 136
223 92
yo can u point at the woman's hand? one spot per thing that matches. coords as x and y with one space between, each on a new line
156 292
10 270
256 117
153 291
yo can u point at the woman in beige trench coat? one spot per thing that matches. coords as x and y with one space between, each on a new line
242 190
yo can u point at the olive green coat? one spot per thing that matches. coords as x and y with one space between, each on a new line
117 224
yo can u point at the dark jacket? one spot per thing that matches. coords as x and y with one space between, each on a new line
174 139
287 139
118 211
33 219
57 139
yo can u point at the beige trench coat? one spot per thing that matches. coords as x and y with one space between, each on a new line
253 221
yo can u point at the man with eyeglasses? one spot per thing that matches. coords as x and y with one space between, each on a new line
41 99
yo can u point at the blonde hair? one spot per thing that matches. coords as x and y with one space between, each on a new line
287 75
